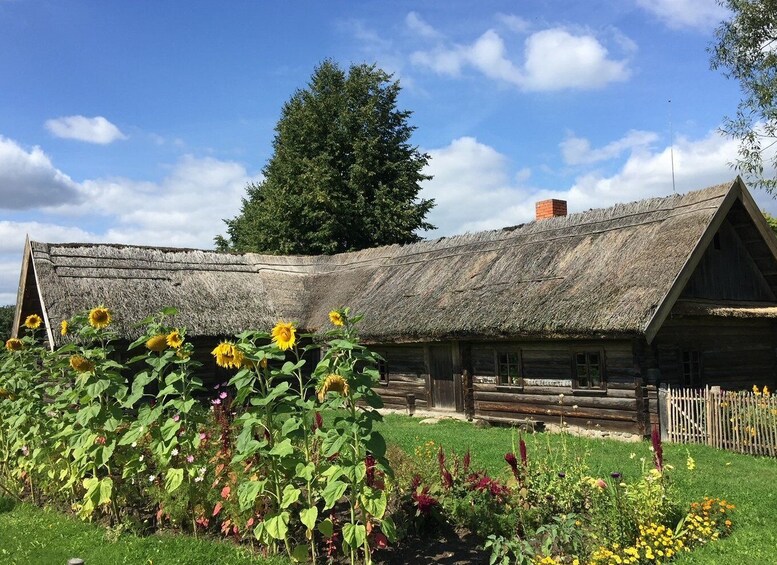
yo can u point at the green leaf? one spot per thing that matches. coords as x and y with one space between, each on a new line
173 479
300 553
326 527
290 496
373 501
354 534
87 414
169 429
169 311
282 449
308 517
389 529
333 491
277 525
333 442
376 444
106 490
247 493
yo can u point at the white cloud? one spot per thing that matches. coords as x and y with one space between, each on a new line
699 14
475 188
28 179
417 25
577 150
514 23
184 209
92 130
554 59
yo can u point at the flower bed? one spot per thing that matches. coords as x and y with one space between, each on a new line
146 445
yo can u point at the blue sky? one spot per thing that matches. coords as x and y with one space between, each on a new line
142 122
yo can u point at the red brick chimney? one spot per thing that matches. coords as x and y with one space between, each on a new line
552 208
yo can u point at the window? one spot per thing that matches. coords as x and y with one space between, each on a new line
384 373
508 368
589 370
691 368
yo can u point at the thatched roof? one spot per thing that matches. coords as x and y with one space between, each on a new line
601 272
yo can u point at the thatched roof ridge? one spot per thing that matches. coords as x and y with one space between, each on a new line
600 272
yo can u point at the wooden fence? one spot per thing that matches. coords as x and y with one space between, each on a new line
738 421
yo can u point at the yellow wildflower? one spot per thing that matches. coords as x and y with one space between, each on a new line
33 322
333 383
157 343
284 335
99 317
63 327
228 355
336 318
174 339
14 344
81 364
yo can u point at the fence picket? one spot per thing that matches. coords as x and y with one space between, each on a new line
745 421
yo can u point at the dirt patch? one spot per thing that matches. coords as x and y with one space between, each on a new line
445 546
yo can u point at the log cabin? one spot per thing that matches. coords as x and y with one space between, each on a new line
577 316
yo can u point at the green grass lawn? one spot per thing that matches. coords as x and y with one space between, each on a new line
29 535
748 482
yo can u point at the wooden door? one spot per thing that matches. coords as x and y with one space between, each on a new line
441 374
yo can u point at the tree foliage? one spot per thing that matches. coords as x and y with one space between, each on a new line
343 175
746 50
6 321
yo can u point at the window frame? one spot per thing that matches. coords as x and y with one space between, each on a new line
383 372
502 382
688 378
591 389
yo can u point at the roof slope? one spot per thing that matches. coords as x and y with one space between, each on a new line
596 272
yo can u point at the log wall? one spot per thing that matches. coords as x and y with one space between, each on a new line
735 353
407 374
547 394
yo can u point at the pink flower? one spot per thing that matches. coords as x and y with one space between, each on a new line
216 402
190 458
600 483
203 436
176 418
222 395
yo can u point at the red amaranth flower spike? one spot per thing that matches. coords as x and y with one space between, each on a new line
513 462
524 458
658 449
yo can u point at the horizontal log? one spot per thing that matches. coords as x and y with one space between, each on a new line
557 411
567 401
612 391
586 423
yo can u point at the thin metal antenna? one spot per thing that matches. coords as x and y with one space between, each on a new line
671 145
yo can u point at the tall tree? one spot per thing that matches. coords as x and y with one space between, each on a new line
343 176
746 50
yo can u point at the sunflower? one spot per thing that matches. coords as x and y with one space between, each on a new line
63 327
174 339
183 353
33 322
14 344
336 318
99 317
333 383
157 343
81 364
228 355
284 335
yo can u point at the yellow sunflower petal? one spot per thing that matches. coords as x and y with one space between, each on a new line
284 335
33 322
99 317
